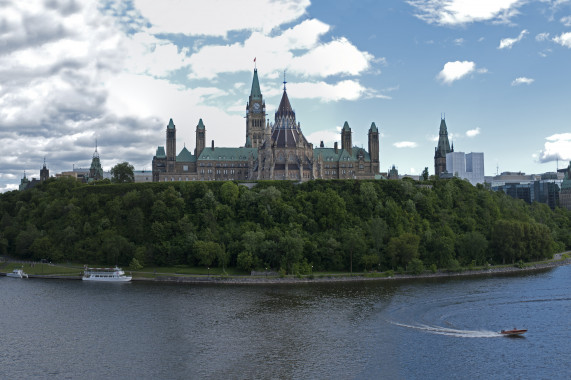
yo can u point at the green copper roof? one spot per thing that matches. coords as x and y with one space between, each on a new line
227 154
171 125
373 127
328 154
200 124
161 152
256 94
185 156
346 127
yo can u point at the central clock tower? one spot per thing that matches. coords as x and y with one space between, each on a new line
255 115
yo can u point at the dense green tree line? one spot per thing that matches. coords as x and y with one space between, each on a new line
324 225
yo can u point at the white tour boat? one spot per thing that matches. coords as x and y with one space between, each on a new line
105 275
18 273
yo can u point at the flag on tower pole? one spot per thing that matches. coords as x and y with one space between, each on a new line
255 62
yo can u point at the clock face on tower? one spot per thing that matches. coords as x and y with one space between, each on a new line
256 107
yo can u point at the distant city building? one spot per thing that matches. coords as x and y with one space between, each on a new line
466 166
271 151
143 175
393 173
442 149
565 193
543 188
93 173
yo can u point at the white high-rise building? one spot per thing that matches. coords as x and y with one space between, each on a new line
466 166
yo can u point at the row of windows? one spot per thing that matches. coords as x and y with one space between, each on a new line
237 165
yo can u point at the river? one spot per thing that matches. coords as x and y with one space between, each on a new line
422 329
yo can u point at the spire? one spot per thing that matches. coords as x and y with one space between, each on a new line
443 143
373 127
95 154
255 93
200 124
346 127
284 81
285 106
171 124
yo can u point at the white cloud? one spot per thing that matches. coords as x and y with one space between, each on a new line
473 132
453 71
344 90
298 49
522 80
566 20
458 12
459 41
405 144
328 136
542 37
509 42
564 39
218 17
558 146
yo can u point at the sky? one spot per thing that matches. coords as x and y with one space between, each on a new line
76 73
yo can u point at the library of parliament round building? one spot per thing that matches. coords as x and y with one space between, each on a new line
276 151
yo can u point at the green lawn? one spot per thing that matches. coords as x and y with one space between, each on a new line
42 268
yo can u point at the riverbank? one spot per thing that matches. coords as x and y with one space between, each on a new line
558 260
253 280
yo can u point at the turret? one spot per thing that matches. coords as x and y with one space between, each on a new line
171 146
44 172
346 142
200 138
374 148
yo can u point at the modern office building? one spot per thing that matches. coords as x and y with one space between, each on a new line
543 188
466 166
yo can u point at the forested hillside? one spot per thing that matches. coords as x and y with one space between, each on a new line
327 225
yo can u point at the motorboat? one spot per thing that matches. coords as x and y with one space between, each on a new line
105 275
513 332
17 273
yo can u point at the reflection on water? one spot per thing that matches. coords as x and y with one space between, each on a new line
72 329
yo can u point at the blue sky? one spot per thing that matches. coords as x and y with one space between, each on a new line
73 72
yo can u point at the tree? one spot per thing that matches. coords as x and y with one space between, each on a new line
472 246
122 173
425 174
403 249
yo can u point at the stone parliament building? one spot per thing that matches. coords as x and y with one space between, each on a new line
277 151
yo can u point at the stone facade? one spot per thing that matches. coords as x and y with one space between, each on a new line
277 151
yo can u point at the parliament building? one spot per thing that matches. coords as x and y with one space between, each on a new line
277 151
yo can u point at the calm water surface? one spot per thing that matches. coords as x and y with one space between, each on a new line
425 329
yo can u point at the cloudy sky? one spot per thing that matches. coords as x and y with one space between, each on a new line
73 72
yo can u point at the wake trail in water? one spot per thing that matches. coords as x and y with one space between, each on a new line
452 332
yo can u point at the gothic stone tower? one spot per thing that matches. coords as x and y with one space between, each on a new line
255 115
171 147
44 172
441 150
346 142
200 138
374 148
